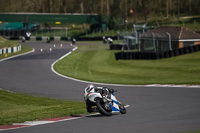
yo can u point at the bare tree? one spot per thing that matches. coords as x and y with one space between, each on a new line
81 7
102 6
108 7
167 9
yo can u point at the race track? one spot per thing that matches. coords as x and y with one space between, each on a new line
152 109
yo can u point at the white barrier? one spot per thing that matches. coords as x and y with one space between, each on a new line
11 50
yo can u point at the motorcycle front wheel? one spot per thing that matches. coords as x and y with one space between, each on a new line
101 107
122 109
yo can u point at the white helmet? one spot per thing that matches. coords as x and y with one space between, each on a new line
90 87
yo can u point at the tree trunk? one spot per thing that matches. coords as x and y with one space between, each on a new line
125 14
108 8
145 10
167 9
101 7
179 2
190 5
81 6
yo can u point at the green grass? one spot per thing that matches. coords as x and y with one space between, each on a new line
4 43
17 108
97 63
198 131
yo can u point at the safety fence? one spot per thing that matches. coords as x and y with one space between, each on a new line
155 55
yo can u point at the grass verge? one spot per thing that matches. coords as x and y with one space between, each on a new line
4 43
17 108
96 63
198 131
24 50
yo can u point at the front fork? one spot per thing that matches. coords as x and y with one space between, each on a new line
108 103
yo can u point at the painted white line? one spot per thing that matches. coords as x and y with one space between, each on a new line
195 86
89 82
52 68
12 128
42 122
127 106
17 55
33 123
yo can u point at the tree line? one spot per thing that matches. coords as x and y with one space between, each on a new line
117 8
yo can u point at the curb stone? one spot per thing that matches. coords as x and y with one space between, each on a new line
40 122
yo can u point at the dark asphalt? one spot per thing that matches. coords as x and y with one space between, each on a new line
152 110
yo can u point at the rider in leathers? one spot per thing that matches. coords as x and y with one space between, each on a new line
104 91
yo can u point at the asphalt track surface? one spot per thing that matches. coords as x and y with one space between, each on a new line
152 109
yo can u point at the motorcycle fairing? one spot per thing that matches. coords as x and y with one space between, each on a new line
114 106
93 95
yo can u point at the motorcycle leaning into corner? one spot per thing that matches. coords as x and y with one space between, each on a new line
102 100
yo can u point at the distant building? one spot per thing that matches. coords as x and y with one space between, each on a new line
168 38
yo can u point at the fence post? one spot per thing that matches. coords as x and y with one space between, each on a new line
170 44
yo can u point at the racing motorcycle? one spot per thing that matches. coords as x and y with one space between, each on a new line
102 100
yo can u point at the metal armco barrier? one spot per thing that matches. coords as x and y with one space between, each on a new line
155 55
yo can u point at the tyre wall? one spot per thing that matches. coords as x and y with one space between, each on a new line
155 55
33 38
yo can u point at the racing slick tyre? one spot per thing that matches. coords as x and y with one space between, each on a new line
102 109
122 109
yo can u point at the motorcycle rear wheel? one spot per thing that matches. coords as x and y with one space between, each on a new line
100 105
